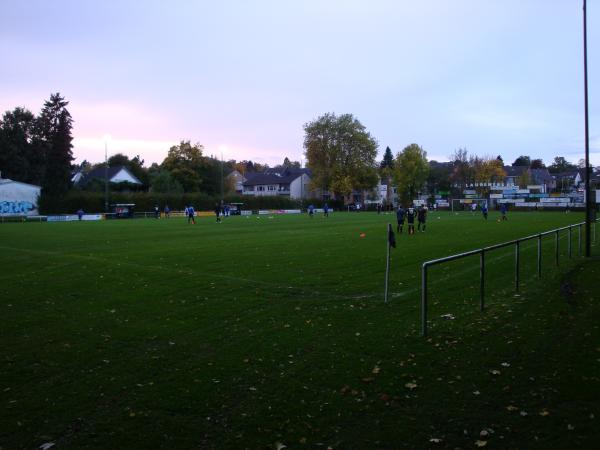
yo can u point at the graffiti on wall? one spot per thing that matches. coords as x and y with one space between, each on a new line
16 207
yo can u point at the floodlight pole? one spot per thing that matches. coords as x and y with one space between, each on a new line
588 192
105 176
221 178
387 266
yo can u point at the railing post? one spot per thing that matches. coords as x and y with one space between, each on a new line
570 234
579 240
482 280
556 247
539 256
424 300
517 266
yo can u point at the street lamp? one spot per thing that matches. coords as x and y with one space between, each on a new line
106 138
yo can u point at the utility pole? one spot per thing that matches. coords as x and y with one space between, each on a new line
588 192
105 176
222 179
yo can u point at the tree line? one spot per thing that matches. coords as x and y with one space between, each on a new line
342 156
340 152
37 149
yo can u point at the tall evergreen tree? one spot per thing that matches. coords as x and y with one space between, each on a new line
54 134
388 159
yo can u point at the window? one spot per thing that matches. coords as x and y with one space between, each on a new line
272 188
260 188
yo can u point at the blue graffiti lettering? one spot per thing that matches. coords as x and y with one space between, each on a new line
16 207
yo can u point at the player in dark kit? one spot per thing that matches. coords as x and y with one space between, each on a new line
484 211
218 212
421 217
400 212
410 218
190 214
503 210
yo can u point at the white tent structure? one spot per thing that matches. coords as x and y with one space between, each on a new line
18 199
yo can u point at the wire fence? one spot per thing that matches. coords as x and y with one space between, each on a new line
482 252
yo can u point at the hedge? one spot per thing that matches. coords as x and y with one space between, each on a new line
93 202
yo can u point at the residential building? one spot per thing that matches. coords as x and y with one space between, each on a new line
117 174
236 178
292 183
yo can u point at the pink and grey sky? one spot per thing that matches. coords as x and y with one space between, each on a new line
242 77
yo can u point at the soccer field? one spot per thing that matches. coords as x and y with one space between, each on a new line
253 332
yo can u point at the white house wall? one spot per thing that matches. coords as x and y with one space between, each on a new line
18 198
299 188
296 190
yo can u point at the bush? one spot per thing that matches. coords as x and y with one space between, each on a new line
93 202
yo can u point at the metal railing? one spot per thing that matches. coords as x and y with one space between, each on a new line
483 251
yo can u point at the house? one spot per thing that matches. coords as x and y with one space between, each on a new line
542 177
18 199
292 183
575 178
117 174
513 174
236 178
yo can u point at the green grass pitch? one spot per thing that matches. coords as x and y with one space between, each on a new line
267 331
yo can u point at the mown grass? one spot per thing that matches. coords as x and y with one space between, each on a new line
254 332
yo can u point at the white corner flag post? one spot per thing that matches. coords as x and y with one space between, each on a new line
391 242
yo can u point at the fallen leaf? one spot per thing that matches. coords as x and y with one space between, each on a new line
411 386
435 440
511 408
480 443
47 445
376 370
544 412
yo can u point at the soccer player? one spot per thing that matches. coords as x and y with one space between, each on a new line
167 211
218 212
311 210
400 212
80 213
503 211
484 210
410 218
326 210
422 217
190 214
156 211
